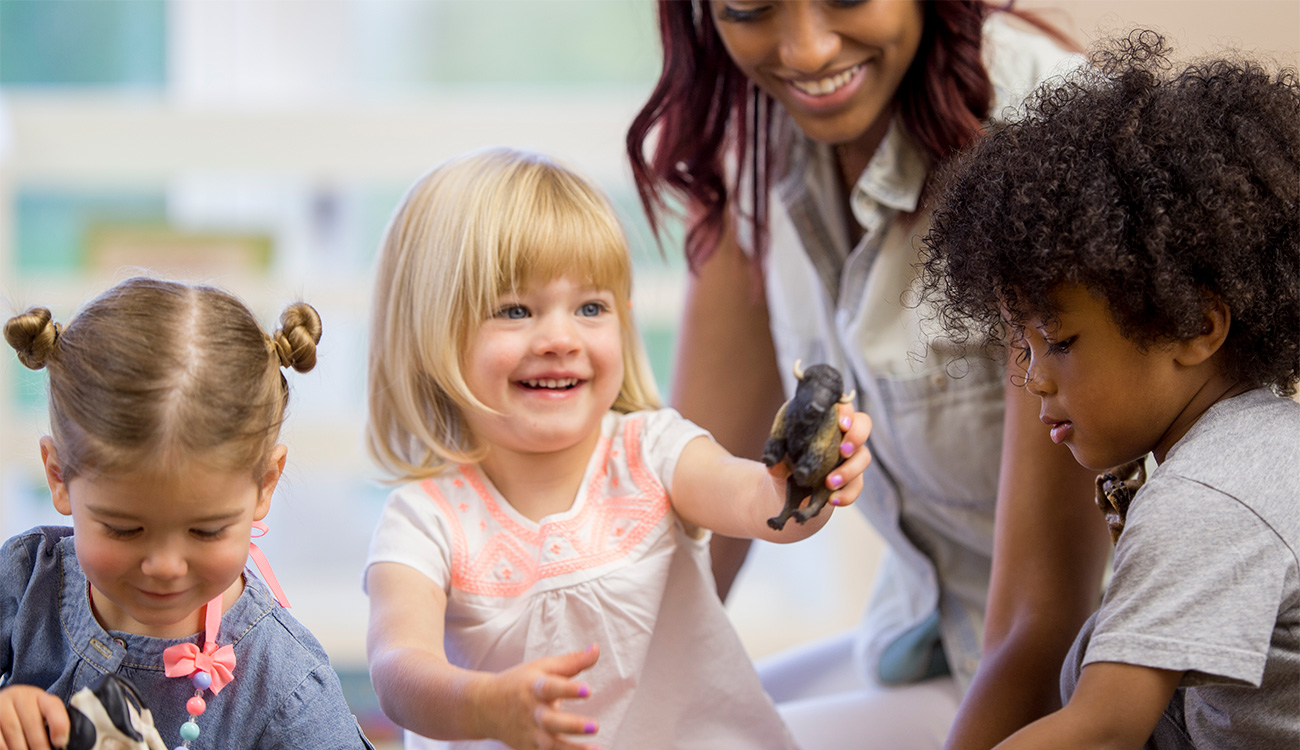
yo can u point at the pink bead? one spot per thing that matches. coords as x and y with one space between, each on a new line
196 706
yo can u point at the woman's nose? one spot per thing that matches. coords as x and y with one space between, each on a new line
808 42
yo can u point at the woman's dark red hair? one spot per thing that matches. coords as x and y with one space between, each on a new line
704 104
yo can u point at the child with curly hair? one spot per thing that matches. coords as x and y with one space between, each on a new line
1136 236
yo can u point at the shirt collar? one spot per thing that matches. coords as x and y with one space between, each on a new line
109 650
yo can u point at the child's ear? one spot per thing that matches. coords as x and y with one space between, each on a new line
1218 318
54 476
270 478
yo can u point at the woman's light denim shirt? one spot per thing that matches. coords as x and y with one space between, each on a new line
937 415
284 695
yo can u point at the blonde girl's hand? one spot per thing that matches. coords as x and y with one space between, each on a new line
524 706
846 479
32 719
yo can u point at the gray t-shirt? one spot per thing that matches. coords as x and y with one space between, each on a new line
1207 580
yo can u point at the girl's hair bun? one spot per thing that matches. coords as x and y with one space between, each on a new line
33 334
296 340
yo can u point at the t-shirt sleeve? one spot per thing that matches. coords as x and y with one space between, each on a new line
663 437
413 531
1198 581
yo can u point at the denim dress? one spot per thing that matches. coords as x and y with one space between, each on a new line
284 695
937 407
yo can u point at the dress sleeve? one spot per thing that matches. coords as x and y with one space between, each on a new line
413 531
314 717
17 562
1198 580
664 434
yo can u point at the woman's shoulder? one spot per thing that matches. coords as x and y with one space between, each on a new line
1019 57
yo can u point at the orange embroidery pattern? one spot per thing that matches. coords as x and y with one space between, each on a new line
505 558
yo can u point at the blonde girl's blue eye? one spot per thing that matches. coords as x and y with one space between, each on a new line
592 309
512 312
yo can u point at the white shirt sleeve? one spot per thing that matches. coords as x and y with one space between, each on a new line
413 532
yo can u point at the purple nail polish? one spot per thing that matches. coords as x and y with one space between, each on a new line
590 728
835 501
836 481
846 423
584 691
846 448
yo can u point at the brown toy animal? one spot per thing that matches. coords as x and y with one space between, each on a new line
1115 490
807 433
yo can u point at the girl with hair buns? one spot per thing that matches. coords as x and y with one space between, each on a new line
165 403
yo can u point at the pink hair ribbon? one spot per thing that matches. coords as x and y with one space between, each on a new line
264 566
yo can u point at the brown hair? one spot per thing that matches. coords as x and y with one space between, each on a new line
154 370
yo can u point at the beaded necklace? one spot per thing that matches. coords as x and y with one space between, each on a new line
213 667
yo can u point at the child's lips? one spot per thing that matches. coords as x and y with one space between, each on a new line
1061 431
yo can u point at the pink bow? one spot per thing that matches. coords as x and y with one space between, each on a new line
184 659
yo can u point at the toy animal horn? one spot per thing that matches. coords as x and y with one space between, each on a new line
848 397
798 369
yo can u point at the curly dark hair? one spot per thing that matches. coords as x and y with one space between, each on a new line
1153 189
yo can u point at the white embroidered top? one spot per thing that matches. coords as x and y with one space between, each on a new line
618 568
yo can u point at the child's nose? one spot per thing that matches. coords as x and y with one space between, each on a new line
1036 382
557 335
164 563
808 43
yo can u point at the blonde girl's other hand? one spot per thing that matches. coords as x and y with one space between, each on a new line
846 479
524 710
32 719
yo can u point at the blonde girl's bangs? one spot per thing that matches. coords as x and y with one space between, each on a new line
555 225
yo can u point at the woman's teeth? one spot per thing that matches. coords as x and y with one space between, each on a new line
829 85
550 383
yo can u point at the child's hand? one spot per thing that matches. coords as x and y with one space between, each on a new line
846 479
524 703
25 714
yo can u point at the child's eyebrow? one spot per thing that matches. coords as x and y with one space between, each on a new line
105 511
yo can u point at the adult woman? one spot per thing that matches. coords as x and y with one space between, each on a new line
816 124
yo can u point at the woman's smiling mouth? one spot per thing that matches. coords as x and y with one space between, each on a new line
828 85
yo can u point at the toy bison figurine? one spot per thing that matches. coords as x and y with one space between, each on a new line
1115 491
807 432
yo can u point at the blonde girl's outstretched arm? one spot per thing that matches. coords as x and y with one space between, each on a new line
735 496
423 692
